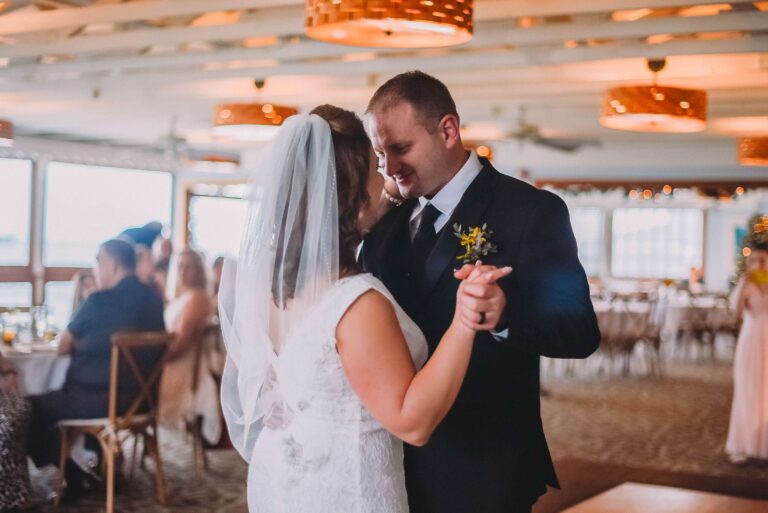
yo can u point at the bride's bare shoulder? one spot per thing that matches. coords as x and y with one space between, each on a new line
371 311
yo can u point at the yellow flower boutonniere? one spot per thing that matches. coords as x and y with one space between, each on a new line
759 277
475 241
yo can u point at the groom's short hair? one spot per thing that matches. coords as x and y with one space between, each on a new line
427 95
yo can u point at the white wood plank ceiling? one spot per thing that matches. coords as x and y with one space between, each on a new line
123 70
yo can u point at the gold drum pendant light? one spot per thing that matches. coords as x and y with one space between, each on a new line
249 121
753 151
654 108
390 23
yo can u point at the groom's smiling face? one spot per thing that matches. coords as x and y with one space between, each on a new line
408 152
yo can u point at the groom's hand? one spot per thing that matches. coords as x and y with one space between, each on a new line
482 302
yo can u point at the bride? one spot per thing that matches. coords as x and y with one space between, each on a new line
322 381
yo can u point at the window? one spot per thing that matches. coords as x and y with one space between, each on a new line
15 201
216 223
15 294
86 205
58 301
656 242
588 229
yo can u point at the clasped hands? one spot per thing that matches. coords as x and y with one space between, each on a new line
481 303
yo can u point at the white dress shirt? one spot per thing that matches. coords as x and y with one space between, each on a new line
449 196
446 201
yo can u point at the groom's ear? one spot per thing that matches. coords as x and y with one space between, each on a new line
450 130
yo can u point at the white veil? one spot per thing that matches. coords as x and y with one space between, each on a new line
289 256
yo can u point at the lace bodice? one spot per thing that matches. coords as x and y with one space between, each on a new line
321 450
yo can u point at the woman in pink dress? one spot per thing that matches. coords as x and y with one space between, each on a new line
748 431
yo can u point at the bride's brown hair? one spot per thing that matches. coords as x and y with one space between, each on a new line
351 148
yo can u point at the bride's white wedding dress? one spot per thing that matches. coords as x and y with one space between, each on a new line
320 450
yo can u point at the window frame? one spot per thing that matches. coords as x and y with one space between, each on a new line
36 272
190 193
24 273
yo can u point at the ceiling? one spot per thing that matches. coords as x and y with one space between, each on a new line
128 71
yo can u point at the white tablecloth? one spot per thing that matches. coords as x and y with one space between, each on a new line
39 371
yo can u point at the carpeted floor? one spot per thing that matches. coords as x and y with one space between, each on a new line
602 432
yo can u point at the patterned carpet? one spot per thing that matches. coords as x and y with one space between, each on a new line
670 426
675 423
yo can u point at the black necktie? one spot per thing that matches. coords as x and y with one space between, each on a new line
425 237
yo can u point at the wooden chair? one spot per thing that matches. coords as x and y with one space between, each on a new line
623 327
653 336
208 335
139 419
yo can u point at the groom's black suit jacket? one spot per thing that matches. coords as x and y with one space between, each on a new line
489 453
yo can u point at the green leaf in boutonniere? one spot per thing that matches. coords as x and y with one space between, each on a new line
476 242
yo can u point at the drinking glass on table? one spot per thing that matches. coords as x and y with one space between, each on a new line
9 333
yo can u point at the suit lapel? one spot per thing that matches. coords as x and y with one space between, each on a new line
469 212
384 236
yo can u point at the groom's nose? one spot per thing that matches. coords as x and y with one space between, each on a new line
390 166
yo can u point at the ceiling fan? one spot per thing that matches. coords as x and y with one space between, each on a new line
532 133
526 132
171 147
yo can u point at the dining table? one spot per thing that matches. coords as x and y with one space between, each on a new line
39 367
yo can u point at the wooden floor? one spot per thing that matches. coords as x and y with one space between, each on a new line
643 498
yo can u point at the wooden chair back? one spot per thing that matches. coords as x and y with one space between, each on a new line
126 346
205 342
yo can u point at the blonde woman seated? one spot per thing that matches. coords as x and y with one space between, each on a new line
187 315
85 284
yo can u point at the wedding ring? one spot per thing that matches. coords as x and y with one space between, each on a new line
482 318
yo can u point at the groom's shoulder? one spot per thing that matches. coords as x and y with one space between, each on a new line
523 193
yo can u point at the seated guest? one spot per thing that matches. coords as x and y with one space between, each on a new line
162 249
122 303
85 284
14 412
145 270
160 276
187 315
144 235
216 269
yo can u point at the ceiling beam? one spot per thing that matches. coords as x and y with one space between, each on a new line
672 25
428 61
274 22
26 22
303 49
491 9
487 33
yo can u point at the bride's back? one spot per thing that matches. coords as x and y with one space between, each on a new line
321 450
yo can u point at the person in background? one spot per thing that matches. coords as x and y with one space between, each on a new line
187 315
160 276
122 303
216 268
145 269
162 249
85 284
14 414
748 428
695 275
145 235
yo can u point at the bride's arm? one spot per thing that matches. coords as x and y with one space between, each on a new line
378 364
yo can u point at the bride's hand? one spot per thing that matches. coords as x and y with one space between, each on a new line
480 302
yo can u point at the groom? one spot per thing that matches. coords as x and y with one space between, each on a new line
489 455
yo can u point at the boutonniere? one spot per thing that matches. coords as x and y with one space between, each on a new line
759 277
475 241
